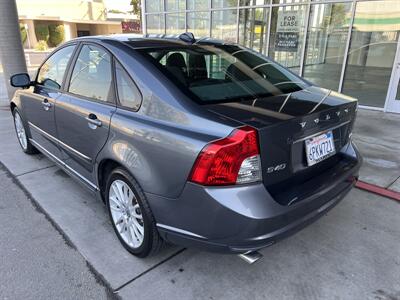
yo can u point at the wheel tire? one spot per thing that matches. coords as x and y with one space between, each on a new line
152 242
22 133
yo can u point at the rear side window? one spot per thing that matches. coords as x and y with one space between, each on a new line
128 94
52 72
91 76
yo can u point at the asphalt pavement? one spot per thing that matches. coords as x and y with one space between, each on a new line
36 262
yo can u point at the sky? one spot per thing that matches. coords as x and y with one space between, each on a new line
122 5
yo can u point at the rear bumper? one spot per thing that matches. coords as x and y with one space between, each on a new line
244 218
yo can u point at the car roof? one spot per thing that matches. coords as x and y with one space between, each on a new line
148 41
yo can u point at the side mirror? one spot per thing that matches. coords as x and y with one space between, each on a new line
21 80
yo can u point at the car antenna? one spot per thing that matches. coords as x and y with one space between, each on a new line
187 37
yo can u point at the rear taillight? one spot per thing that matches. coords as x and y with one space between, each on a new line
231 160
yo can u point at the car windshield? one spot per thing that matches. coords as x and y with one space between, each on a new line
222 73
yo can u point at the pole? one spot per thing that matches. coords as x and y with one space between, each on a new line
11 50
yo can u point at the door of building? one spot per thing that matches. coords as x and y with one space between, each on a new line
393 97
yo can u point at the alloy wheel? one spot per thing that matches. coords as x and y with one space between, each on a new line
126 213
21 134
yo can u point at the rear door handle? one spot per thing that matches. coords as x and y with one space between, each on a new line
46 104
93 121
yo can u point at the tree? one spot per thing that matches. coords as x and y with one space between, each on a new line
136 9
336 18
24 34
42 32
11 51
56 34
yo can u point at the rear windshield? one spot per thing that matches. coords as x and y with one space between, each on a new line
222 73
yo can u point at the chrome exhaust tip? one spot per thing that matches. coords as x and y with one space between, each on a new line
251 256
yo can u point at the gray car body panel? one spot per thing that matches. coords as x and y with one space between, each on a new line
246 218
159 143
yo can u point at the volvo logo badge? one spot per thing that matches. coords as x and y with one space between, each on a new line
316 121
303 124
338 113
346 110
328 117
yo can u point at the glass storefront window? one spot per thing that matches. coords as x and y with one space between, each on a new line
287 35
326 43
372 50
175 23
174 5
155 24
370 56
253 2
197 4
224 3
287 1
253 27
199 23
224 25
154 5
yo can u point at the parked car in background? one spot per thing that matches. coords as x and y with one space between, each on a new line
195 142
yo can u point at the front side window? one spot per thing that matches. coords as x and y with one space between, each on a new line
91 76
223 73
128 94
52 72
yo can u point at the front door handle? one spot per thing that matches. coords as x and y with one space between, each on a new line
46 104
93 121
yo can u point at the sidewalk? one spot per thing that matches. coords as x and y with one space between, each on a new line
377 135
3 90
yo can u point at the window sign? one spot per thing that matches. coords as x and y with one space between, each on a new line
288 21
287 31
287 41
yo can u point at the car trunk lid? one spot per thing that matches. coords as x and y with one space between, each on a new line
284 123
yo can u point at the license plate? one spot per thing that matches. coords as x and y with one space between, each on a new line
319 148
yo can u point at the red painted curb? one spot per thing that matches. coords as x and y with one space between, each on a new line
378 190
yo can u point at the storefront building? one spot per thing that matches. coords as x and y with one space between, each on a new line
350 46
77 17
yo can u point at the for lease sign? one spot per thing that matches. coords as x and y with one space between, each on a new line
287 31
288 21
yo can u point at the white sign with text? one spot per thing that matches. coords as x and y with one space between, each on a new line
288 21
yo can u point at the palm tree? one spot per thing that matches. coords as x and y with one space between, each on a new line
11 51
